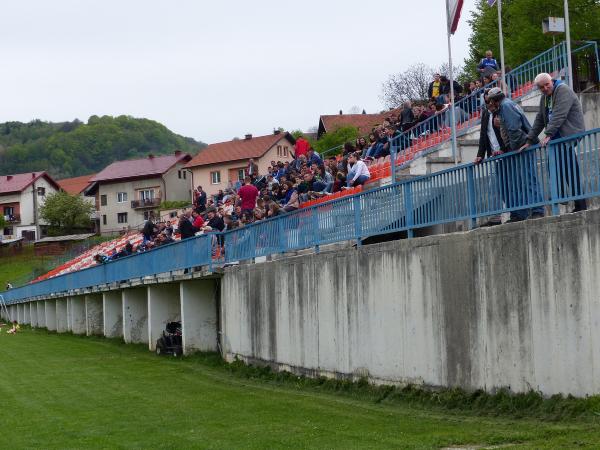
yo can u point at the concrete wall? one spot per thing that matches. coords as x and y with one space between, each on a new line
135 315
113 314
163 307
50 311
61 316
94 317
513 306
199 315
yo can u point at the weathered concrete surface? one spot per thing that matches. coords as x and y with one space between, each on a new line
135 315
50 311
77 315
61 315
513 306
26 314
41 313
33 314
94 317
199 315
113 314
163 307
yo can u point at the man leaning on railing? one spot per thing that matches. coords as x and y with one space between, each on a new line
561 115
519 183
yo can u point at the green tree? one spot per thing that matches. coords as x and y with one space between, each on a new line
65 213
522 28
2 222
335 138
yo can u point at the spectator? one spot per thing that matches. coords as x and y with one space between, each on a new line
407 118
252 169
445 90
560 115
9 286
358 172
301 147
200 200
214 222
293 202
433 91
488 62
149 231
186 228
197 220
248 194
524 175
313 158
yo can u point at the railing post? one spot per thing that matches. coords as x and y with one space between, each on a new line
357 219
408 208
553 168
471 197
315 222
393 152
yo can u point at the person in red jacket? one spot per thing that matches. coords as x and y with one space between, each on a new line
248 194
302 147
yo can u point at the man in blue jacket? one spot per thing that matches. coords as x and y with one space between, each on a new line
488 64
520 185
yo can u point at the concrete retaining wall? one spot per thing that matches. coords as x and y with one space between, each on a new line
514 306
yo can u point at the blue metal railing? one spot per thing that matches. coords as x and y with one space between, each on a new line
187 253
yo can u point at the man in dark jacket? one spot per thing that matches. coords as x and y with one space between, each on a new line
186 228
560 116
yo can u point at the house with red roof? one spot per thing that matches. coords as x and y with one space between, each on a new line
364 122
128 192
221 165
75 186
21 197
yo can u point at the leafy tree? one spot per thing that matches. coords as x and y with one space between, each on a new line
2 222
522 28
336 138
69 149
65 213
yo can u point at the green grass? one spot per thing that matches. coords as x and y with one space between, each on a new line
23 266
64 391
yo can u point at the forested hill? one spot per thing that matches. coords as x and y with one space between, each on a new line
70 149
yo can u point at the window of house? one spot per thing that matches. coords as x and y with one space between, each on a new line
215 177
148 215
103 200
103 219
9 211
41 191
184 174
121 197
241 174
279 151
147 195
8 231
285 150
122 217
179 174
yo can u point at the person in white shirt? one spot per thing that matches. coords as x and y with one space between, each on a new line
358 172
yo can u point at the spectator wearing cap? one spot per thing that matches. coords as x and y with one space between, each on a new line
560 115
358 172
214 221
488 63
523 175
248 194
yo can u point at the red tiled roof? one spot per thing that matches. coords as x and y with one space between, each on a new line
237 149
18 182
75 186
364 122
139 168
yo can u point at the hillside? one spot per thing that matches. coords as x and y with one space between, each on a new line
69 149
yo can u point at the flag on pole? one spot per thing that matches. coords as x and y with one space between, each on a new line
454 9
491 2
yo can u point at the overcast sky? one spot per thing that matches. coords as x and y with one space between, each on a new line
213 70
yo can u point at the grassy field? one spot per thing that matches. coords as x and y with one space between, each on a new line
18 267
64 391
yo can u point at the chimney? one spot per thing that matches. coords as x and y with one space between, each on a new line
150 156
276 132
248 136
177 152
341 112
8 177
32 174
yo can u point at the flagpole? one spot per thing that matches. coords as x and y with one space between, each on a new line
452 112
501 39
568 36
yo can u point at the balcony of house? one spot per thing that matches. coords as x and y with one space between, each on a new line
146 203
12 218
